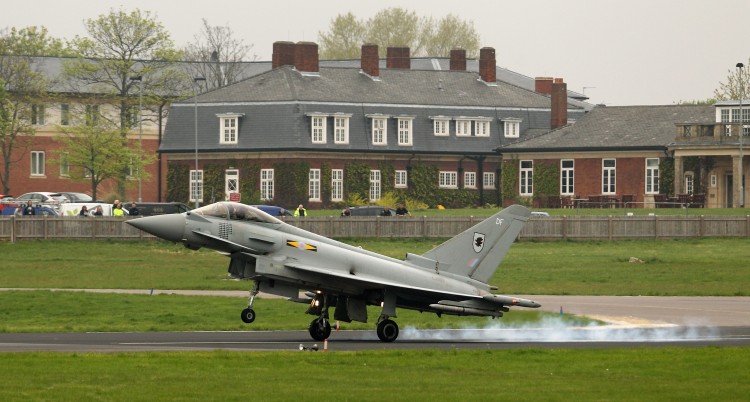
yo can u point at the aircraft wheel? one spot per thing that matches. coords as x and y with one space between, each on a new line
320 329
248 315
387 330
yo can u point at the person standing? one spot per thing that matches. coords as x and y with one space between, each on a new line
117 210
402 211
28 209
300 211
133 211
84 211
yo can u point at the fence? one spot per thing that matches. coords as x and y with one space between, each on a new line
548 228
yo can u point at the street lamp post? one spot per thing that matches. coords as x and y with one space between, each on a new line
741 134
196 80
140 134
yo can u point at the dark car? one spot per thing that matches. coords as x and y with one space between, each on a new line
39 210
274 210
369 210
77 197
158 208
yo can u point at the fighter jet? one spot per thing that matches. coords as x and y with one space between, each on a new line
305 267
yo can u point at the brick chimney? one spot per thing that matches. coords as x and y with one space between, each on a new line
559 104
458 59
370 60
306 57
283 54
543 85
398 57
487 65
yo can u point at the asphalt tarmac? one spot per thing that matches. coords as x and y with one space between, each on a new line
633 322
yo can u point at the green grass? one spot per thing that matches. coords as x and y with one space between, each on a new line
45 311
688 267
644 374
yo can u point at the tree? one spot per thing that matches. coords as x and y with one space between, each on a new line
21 85
220 54
398 27
97 152
345 38
730 90
121 46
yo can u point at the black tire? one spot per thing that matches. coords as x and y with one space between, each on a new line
320 329
248 315
387 331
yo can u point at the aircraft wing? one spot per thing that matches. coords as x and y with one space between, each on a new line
370 282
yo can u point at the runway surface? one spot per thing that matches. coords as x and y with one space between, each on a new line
634 322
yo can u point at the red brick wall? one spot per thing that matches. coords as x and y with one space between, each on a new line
487 64
370 60
458 60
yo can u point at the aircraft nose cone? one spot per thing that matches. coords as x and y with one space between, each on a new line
168 227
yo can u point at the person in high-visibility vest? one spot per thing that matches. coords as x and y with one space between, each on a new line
300 211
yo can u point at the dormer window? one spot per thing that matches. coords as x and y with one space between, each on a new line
482 128
229 124
463 127
440 126
512 128
341 128
379 129
405 130
318 128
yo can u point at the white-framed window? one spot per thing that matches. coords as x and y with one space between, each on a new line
64 114
318 129
463 128
511 128
526 178
313 189
470 180
609 175
482 128
448 180
379 131
401 179
652 175
440 127
337 184
488 179
266 184
689 183
196 186
341 129
92 115
64 164
374 185
37 163
231 182
567 177
713 180
404 130
228 128
37 114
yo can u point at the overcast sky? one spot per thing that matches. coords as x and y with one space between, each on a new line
624 52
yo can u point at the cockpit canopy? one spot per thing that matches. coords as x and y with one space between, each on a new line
236 212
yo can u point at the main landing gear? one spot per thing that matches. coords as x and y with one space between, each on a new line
320 328
248 314
387 329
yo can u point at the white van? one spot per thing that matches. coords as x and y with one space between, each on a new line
73 209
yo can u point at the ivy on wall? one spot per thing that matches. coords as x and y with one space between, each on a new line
546 179
178 183
509 180
291 183
666 176
357 181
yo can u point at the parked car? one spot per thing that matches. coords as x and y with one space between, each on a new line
39 210
158 208
40 197
76 197
369 210
539 214
4 200
274 210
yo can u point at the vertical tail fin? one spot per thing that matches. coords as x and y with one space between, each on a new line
477 251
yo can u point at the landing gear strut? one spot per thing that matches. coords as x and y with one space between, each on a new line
248 314
320 328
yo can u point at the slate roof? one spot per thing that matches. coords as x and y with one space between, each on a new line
275 108
618 128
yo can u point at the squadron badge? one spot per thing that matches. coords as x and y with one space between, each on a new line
478 242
